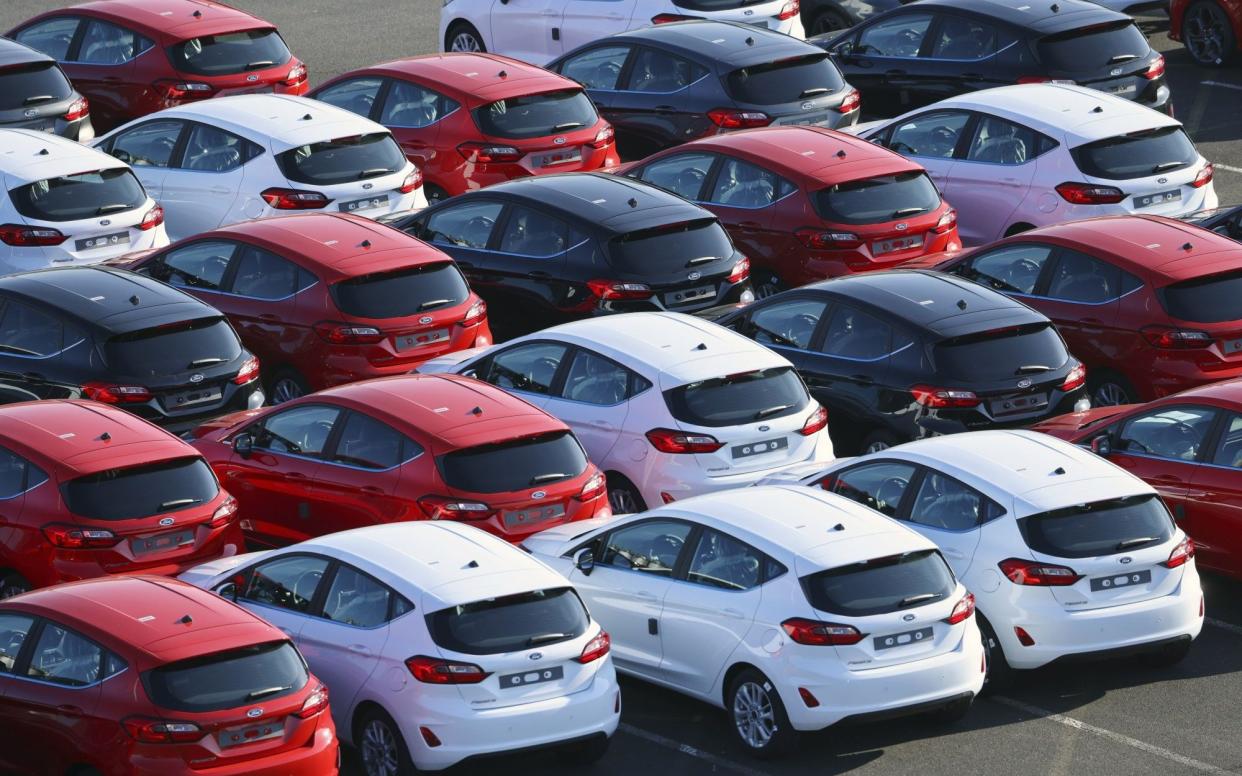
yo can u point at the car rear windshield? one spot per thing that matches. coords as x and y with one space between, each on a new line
745 397
228 680
879 199
167 350
32 85
1092 49
881 585
516 464
1137 154
715 5
647 252
1099 528
343 160
511 623
405 292
84 195
786 80
230 53
141 491
1000 354
1210 299
537 115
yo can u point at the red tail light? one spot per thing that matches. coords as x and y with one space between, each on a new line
116 394
1032 573
316 702
595 648
821 634
79 108
73 537
665 18
431 670
1205 176
594 487
1156 70
487 153
816 423
411 182
1184 551
740 271
851 102
476 313
827 241
963 610
1024 638
30 236
731 118
296 77
348 333
946 222
942 398
249 371
294 199
1090 194
603 137
1075 379
429 737
1175 339
610 290
183 90
153 218
788 11
445 508
161 731
808 698
666 440
224 513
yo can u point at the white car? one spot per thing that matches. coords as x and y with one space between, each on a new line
437 642
232 159
1069 556
793 609
667 405
539 32
1017 157
64 204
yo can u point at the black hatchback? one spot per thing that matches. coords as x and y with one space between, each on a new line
123 339
36 94
900 354
934 49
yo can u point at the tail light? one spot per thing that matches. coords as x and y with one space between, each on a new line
116 394
153 218
1024 638
1205 176
316 702
943 398
296 77
161 731
1035 574
431 670
30 236
946 222
603 137
73 537
1175 339
610 290
963 610
411 182
1156 70
429 737
476 313
666 18
731 118
821 634
816 423
294 199
1075 379
1184 551
445 508
808 698
593 487
249 371
666 440
827 241
348 333
79 108
851 102
740 271
1090 194
595 648
487 153
1043 79
183 90
224 513
788 11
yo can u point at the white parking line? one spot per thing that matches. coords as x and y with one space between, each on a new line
1180 759
1221 623
686 749
1222 84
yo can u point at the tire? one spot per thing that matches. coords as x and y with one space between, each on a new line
952 713
462 36
585 753
381 748
827 21
434 193
999 676
286 384
1108 389
1169 655
1018 229
878 440
12 583
757 717
623 497
1208 35
770 285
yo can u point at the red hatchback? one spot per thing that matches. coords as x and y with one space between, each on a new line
1187 446
89 489
134 57
805 203
471 120
417 447
326 298
144 676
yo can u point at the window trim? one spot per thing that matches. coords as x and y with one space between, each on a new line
387 85
941 18
599 542
697 536
965 135
256 428
256 149
1211 437
334 440
627 70
75 45
174 156
629 382
902 510
709 184
315 602
924 471
230 273
558 377
29 643
821 331
625 64
924 45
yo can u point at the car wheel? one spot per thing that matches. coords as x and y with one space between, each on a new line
623 497
1208 34
462 36
828 21
435 193
286 385
770 285
954 712
1169 655
381 747
1109 389
999 675
878 440
12 584
758 717
586 752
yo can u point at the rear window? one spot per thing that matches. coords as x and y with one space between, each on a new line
228 680
84 195
879 199
405 292
1137 154
166 350
881 585
648 251
536 115
141 491
234 52
511 623
32 85
1099 528
517 464
1210 299
745 397
787 80
1000 354
342 160
1090 49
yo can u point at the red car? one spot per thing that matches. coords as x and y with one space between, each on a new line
145 676
1187 446
417 447
134 57
1149 304
805 203
326 298
471 120
1210 29
89 489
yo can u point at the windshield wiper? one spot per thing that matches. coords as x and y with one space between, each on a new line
907 211
177 502
259 64
911 600
266 691
1128 543
766 411
32 99
549 477
814 90
371 172
113 208
1029 368
1166 166
1122 58
544 638
205 362
700 260
566 125
433 303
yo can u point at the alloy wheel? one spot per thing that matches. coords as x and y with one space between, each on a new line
753 715
622 501
11 587
465 41
379 750
285 389
876 447
1205 33
1110 394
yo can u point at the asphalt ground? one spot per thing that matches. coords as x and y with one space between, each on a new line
1119 718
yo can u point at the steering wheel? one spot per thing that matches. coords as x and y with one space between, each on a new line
478 224
606 73
1020 270
1181 432
892 486
901 147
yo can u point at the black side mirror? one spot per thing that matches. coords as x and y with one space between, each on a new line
584 560
471 372
243 445
1102 445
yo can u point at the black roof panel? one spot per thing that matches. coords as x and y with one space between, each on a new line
1036 15
722 42
14 53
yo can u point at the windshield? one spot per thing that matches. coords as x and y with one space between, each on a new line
32 85
1211 299
1094 48
745 397
787 80
509 624
403 292
1000 354
1137 155
536 115
141 491
175 349
343 160
84 195
517 464
1099 528
650 251
881 585
231 53
228 680
879 199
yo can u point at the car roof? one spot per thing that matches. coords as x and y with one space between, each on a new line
1226 392
27 156
480 78
173 18
1042 16
14 53
731 44
823 155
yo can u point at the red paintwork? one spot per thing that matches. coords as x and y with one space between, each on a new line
1232 9
49 728
63 438
285 499
330 247
121 93
473 80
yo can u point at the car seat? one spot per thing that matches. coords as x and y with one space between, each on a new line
601 383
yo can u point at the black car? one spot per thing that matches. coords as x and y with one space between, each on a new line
1226 220
580 244
664 85
934 49
35 94
821 16
896 355
124 339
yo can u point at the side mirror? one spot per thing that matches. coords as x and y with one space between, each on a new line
471 373
1102 445
243 445
584 561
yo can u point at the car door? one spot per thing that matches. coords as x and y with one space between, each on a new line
15 632
262 288
788 325
282 591
150 149
529 256
464 230
960 57
599 70
852 366
529 30
101 66
1013 268
587 20
932 139
993 176
1213 513
529 369
205 180
684 174
35 347
880 484
882 60
357 485
593 399
653 107
949 513
742 195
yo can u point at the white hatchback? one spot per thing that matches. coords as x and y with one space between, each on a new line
667 405
437 641
65 204
231 159
792 609
1069 556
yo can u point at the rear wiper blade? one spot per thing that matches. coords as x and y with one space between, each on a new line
814 90
544 638
763 413
566 125
1122 58
907 211
113 208
266 691
1027 369
700 260
205 362
177 502
549 477
32 99
1128 543
433 303
259 64
1166 166
911 600
371 172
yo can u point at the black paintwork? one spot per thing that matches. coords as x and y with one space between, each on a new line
44 115
1226 220
830 16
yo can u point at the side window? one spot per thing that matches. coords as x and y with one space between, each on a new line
468 225
682 174
52 37
63 657
410 105
26 331
264 275
289 582
855 335
594 379
1078 277
197 265
208 149
789 324
532 233
1229 450
651 546
997 141
530 368
368 443
356 599
724 562
14 628
356 95
17 475
900 36
108 44
741 184
658 72
302 430
961 38
931 134
880 485
599 68
946 504
147 145
1175 432
1015 269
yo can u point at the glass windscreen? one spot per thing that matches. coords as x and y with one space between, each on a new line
742 398
141 491
84 195
1099 528
517 464
230 53
403 292
509 624
881 585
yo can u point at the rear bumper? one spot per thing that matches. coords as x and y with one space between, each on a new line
332 367
322 757
244 397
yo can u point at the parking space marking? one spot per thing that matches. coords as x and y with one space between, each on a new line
691 751
1077 724
1222 84
1228 167
1221 623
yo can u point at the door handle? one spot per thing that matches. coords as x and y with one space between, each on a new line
548 12
359 649
372 490
111 80
269 317
863 379
749 224
653 626
733 613
1179 511
295 475
894 72
537 275
602 425
221 190
32 376
69 710
645 596
665 109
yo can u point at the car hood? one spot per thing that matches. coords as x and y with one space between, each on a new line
202 576
129 260
1067 426
798 473
552 542
937 260
449 361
